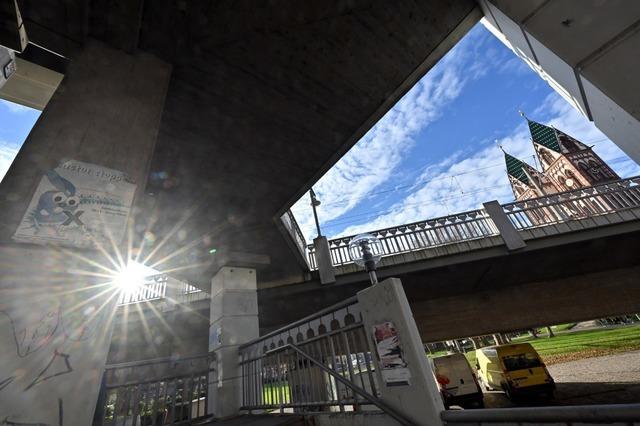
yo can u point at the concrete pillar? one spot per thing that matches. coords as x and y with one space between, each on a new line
509 234
323 259
55 313
234 321
410 387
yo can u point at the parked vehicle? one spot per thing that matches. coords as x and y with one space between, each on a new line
457 382
517 369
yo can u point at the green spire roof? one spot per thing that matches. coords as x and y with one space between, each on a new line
516 168
544 135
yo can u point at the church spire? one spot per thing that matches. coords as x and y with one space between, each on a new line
544 135
516 168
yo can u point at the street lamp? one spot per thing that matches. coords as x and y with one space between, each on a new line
315 203
366 250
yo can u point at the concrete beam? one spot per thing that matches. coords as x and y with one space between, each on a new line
587 54
31 85
535 304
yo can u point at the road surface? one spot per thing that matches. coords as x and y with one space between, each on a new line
611 379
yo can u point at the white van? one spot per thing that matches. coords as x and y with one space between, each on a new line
457 382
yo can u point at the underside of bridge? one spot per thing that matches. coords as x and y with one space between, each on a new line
264 97
551 281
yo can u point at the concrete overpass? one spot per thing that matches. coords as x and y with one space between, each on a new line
463 276
217 116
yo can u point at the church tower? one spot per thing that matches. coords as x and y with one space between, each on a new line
566 162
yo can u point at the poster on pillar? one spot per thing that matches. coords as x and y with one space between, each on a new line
392 364
79 205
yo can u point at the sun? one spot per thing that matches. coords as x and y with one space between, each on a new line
131 276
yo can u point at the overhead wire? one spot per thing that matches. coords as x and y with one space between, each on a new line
396 188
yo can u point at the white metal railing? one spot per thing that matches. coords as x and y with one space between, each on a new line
155 287
551 209
573 205
466 226
162 391
295 367
295 233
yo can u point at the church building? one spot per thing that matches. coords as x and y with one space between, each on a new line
566 163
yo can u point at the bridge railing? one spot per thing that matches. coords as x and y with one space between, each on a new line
156 287
476 224
290 224
159 391
466 226
576 204
311 365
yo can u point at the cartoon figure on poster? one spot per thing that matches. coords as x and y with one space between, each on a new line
392 363
57 207
78 204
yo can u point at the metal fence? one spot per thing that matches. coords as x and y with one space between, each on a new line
303 367
618 414
548 210
440 231
295 233
573 205
156 287
165 391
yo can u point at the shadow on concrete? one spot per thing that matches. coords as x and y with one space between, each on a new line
573 394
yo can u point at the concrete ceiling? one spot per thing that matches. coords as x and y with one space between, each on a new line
264 98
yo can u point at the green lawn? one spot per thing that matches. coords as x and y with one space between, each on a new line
276 393
563 327
580 344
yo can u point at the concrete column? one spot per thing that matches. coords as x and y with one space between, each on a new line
509 234
234 321
323 259
385 305
55 314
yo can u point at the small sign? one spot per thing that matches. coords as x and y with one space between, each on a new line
393 366
9 69
80 205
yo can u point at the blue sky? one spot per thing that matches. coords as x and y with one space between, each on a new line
435 153
15 123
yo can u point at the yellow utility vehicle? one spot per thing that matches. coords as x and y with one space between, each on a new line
516 369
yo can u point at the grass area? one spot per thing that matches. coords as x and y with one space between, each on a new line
563 327
276 393
437 354
580 344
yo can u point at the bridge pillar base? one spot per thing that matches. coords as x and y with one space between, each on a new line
233 321
406 381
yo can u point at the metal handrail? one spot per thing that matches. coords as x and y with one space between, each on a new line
347 302
162 360
434 232
580 203
576 413
366 395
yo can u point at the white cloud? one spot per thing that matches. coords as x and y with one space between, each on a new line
375 158
14 108
7 154
454 186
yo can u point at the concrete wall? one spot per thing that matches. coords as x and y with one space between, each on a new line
588 54
360 419
55 310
